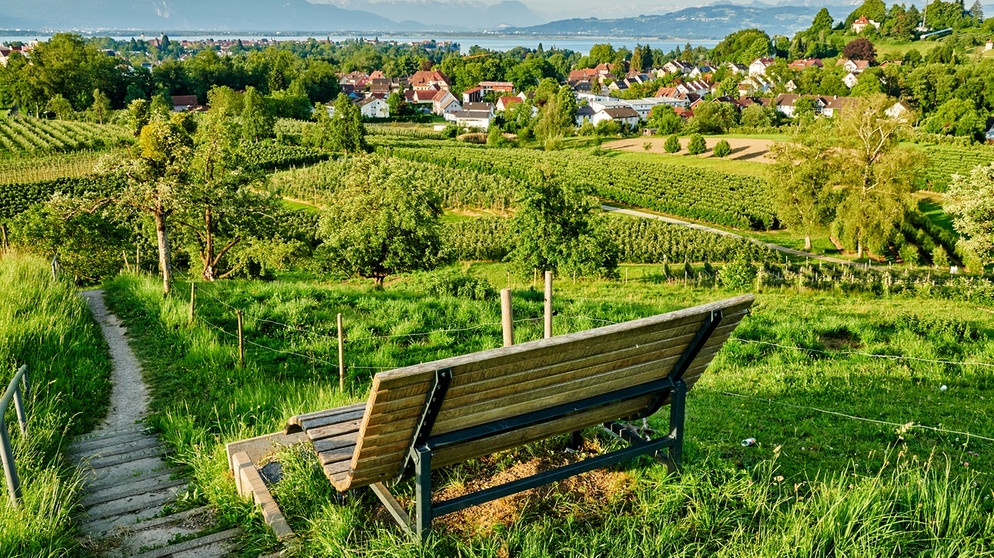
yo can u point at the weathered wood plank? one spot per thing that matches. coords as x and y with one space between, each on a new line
336 442
299 420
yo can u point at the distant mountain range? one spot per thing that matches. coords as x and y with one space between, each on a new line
368 17
264 15
706 22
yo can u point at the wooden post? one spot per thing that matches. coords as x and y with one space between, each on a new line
506 317
193 299
341 356
138 256
548 304
241 339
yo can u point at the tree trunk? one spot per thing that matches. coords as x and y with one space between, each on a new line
807 243
162 236
208 256
859 249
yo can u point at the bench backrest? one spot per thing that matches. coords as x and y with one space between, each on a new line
501 384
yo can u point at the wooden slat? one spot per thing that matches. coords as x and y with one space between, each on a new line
336 442
297 422
343 455
352 416
333 430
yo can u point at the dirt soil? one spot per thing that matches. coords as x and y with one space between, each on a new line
743 149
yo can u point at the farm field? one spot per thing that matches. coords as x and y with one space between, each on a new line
25 136
799 377
743 149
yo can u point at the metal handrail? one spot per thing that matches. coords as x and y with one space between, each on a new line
6 452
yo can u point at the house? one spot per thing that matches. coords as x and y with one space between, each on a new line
618 86
183 103
670 96
584 113
990 134
505 87
644 106
759 65
701 71
790 86
784 103
358 81
850 80
583 74
696 87
862 23
834 104
677 67
420 97
509 101
427 79
737 68
900 111
472 115
5 53
444 103
804 64
374 107
472 95
621 115
989 45
752 85
854 66
380 86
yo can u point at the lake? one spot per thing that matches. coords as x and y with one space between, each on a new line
491 42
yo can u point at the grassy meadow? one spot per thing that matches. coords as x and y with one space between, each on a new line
871 423
45 324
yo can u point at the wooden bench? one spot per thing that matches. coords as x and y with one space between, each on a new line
440 413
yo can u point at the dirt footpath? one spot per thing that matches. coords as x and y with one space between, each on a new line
743 149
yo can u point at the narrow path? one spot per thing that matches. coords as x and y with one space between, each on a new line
771 246
128 486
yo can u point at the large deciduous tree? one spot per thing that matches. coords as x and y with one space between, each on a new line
386 221
860 49
158 168
801 179
972 205
558 228
875 178
345 128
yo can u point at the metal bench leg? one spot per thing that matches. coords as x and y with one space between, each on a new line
422 492
575 441
678 401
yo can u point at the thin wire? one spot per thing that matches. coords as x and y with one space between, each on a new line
871 355
907 425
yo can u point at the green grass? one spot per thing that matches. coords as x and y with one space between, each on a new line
856 483
46 325
302 206
732 166
931 207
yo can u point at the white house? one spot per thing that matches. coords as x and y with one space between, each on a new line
899 111
374 107
990 135
759 65
473 115
444 103
862 23
696 87
621 115
677 67
989 45
850 80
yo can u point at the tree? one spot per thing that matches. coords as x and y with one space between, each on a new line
697 145
560 229
396 103
860 49
665 120
977 11
801 181
61 107
672 144
386 221
956 117
971 201
757 116
876 180
346 131
156 169
100 108
822 23
257 121
713 118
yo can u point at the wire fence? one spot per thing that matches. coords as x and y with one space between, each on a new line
334 364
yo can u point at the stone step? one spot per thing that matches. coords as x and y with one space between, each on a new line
209 546
159 532
124 473
101 438
134 503
106 494
97 463
141 442
114 526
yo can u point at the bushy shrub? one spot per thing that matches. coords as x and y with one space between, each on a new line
738 275
672 144
722 149
697 145
459 285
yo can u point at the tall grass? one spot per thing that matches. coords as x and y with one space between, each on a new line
855 483
46 325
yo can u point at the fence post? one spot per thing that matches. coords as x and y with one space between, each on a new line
193 299
341 356
506 317
6 451
548 304
241 339
55 267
